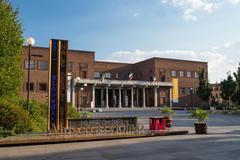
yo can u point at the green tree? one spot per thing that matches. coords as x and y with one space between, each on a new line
204 89
236 95
10 50
228 87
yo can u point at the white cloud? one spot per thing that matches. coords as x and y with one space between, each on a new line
190 7
232 45
235 2
218 64
188 15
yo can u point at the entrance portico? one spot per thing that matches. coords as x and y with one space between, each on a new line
120 93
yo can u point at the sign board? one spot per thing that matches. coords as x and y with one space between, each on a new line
175 90
57 85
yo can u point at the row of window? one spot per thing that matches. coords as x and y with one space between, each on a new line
187 74
42 65
186 91
106 75
41 87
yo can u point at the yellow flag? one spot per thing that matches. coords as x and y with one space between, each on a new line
175 90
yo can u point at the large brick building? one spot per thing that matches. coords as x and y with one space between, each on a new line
94 83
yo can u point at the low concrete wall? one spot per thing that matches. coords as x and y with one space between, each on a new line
102 122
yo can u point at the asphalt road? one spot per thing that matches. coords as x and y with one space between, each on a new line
221 143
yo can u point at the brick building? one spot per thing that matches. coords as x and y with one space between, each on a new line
98 84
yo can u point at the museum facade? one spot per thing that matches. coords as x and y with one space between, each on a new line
152 82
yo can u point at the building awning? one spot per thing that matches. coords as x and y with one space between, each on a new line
99 82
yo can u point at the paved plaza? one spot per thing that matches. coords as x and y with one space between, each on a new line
221 143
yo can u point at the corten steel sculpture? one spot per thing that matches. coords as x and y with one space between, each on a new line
57 85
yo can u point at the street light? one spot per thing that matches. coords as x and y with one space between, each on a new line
30 42
77 81
191 92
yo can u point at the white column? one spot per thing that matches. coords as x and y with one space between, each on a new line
119 98
125 98
132 98
144 100
155 97
113 92
107 106
101 98
93 96
137 97
114 98
170 97
73 95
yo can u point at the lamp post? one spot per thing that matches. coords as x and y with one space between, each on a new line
77 80
191 92
30 42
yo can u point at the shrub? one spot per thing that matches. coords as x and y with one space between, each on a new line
200 114
5 132
73 113
220 107
38 115
14 119
167 111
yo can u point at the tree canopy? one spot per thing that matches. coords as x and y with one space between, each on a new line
236 95
228 87
10 50
203 90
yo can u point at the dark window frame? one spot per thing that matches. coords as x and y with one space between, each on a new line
26 64
42 83
32 85
39 66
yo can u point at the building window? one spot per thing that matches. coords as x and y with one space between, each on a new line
173 73
162 75
182 91
32 64
69 67
196 74
108 75
43 65
189 74
31 86
181 73
97 75
42 87
117 75
187 90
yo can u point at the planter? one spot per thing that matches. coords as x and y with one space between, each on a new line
169 122
200 128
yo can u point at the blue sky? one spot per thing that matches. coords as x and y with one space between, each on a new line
133 30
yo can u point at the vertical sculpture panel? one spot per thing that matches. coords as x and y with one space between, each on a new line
57 93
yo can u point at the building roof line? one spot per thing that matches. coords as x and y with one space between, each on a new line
175 59
102 61
73 50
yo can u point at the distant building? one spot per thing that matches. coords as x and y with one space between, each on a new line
216 98
147 83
